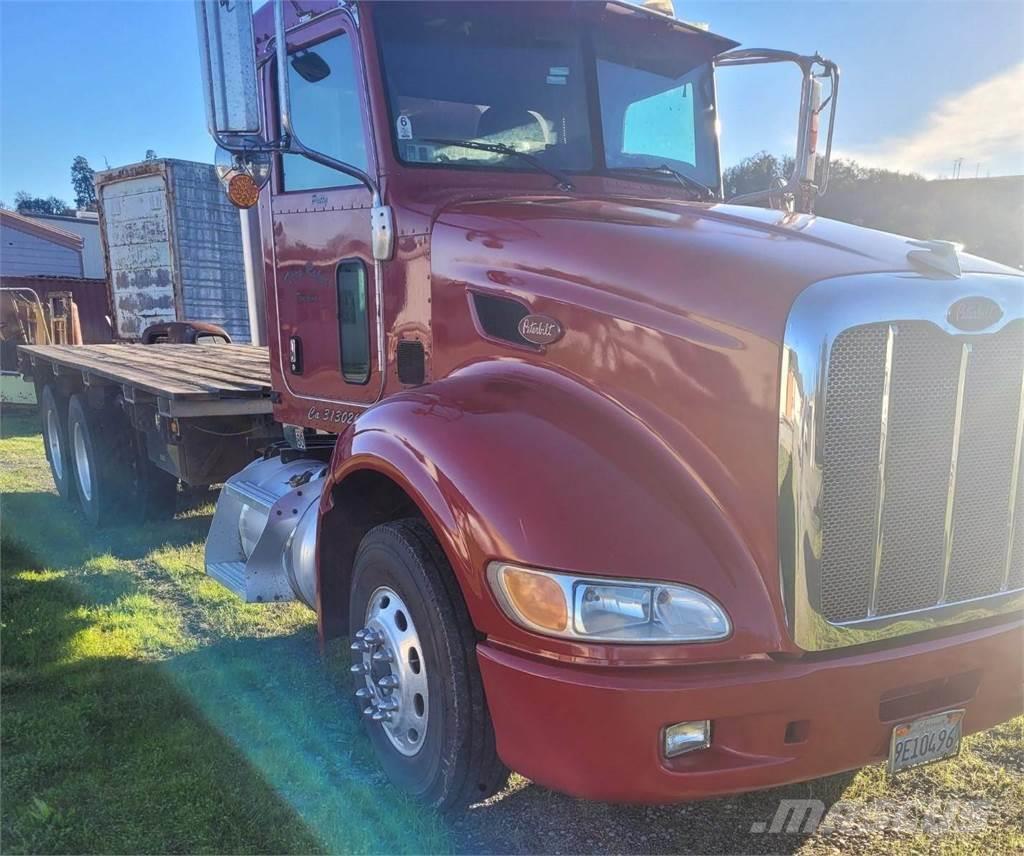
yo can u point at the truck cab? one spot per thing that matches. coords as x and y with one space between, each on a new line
644 495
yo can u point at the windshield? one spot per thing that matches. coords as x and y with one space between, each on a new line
580 91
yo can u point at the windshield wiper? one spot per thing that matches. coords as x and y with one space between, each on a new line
703 190
503 149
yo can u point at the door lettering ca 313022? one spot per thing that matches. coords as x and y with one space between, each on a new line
332 415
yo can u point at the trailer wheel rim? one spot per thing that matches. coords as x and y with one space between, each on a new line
53 441
394 671
82 462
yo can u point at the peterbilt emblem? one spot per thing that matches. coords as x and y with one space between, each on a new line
974 313
540 329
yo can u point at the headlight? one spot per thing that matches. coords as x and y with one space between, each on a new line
605 610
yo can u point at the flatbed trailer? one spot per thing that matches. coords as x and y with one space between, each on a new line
124 423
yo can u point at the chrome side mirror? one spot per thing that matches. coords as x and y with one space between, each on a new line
228 67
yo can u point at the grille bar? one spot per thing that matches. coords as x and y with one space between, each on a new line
883 442
954 460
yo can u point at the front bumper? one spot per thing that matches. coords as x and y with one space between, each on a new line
596 732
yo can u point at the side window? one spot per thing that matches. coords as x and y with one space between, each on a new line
662 125
354 322
326 113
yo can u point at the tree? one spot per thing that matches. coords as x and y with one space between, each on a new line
150 154
757 172
82 181
26 203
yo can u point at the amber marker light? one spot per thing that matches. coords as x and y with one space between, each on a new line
537 599
243 190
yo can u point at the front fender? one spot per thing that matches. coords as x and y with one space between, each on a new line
508 460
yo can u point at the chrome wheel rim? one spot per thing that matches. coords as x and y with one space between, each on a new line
53 443
388 655
82 462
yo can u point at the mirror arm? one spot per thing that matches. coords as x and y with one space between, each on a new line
833 71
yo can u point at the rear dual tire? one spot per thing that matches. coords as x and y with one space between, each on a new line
53 410
404 592
99 470
114 480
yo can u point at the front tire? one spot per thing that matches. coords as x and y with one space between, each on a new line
416 676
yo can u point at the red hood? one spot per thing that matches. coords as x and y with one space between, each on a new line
738 264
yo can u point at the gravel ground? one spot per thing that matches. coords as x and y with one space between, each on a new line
525 818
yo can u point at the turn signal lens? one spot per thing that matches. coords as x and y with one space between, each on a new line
243 190
536 599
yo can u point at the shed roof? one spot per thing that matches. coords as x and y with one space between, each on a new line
41 230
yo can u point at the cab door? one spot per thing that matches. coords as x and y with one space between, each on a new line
323 263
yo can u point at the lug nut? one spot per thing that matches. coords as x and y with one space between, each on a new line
388 682
369 710
359 646
388 704
382 656
363 693
380 716
358 669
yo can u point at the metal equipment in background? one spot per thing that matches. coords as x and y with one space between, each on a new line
25 320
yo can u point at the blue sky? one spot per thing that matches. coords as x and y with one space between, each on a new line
923 83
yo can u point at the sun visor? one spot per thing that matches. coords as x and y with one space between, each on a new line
671 47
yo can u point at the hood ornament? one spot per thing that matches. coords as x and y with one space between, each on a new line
937 256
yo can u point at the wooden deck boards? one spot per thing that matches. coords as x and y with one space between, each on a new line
198 372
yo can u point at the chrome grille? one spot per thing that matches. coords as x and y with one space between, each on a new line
921 435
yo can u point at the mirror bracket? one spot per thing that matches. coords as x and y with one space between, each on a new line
382 232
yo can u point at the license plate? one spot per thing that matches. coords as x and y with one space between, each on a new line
925 740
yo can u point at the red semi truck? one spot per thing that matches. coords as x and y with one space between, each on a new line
644 495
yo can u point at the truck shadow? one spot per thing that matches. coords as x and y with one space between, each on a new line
42 517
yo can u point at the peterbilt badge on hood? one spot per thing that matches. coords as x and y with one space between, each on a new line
974 313
540 329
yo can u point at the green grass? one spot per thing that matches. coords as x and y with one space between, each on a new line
147 710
